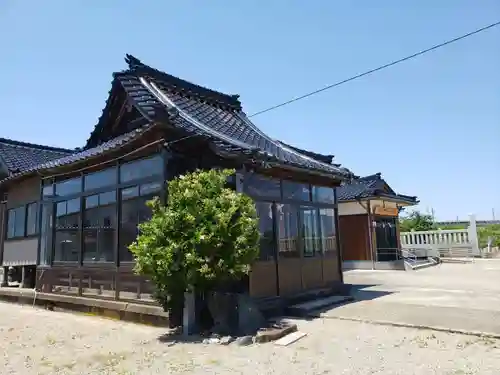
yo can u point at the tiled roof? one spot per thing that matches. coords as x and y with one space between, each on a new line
370 186
328 159
20 156
209 113
82 155
197 110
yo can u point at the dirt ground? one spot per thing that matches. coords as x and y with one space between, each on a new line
36 341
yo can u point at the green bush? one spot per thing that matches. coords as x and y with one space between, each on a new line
489 231
205 236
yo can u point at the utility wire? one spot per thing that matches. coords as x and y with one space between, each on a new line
376 69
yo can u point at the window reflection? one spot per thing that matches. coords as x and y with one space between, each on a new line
310 231
261 186
142 168
16 222
46 233
323 194
32 219
99 226
99 179
267 243
66 242
328 233
296 191
288 231
69 187
135 211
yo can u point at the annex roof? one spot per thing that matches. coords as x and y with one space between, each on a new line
373 186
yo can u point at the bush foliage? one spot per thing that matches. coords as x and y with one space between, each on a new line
206 235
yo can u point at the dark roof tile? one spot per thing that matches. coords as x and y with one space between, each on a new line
369 186
82 155
212 114
20 156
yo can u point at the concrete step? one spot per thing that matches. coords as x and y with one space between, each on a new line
305 308
426 264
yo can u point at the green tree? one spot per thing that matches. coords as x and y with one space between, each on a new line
205 236
416 221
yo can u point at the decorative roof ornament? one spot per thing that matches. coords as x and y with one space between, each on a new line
133 62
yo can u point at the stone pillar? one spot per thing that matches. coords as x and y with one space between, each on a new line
189 324
5 280
23 277
473 238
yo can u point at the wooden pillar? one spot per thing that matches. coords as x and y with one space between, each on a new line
3 236
118 213
371 236
340 257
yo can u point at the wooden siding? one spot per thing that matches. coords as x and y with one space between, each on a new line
354 237
26 191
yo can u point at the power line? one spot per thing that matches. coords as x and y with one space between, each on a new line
376 69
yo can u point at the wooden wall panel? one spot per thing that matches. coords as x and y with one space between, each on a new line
331 270
354 237
312 273
263 281
290 276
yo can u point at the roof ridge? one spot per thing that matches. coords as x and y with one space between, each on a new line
13 142
375 176
208 94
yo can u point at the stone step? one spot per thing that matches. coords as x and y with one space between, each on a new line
305 308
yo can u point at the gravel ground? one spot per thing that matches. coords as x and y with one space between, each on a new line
36 341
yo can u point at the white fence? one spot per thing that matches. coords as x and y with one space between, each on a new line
454 243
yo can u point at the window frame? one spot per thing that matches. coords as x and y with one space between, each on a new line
158 178
25 210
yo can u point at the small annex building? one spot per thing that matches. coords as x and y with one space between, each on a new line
369 223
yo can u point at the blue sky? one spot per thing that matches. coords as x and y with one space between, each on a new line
430 125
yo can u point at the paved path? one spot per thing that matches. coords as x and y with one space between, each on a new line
41 342
464 297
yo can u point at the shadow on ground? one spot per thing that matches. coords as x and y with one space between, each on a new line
359 293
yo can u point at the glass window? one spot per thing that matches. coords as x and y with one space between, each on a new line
323 194
66 242
20 222
142 168
261 186
328 233
310 231
288 231
46 233
99 226
11 224
69 187
130 193
16 222
99 179
48 191
32 219
296 191
267 243
152 188
134 211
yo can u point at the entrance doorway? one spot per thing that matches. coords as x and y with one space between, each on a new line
386 239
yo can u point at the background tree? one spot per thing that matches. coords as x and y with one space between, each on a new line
206 235
416 221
